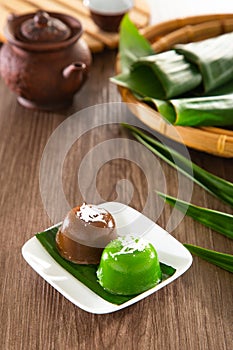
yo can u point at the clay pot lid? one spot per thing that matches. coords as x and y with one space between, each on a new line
15 24
44 28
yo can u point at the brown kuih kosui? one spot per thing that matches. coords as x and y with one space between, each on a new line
84 233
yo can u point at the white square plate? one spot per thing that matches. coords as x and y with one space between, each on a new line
128 220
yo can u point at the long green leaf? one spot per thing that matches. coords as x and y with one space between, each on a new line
217 186
225 261
87 273
132 44
218 221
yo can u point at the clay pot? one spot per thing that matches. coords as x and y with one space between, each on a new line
44 61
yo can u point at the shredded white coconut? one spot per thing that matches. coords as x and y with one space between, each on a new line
130 244
91 213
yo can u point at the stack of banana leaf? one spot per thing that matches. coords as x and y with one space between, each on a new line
190 85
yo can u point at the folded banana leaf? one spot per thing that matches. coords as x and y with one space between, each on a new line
140 82
214 58
171 73
156 80
197 111
165 108
159 76
211 110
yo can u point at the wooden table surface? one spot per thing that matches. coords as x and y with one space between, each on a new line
193 312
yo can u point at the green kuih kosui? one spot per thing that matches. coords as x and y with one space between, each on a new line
129 265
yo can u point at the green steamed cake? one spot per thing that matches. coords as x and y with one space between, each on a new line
128 266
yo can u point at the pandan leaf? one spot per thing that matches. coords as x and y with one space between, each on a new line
217 186
216 220
225 261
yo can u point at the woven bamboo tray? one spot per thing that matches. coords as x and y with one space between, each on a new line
96 39
216 141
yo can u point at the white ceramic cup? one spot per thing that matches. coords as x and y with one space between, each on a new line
107 14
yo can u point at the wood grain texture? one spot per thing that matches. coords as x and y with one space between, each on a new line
194 312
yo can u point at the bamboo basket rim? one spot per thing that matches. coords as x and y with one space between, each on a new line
213 140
